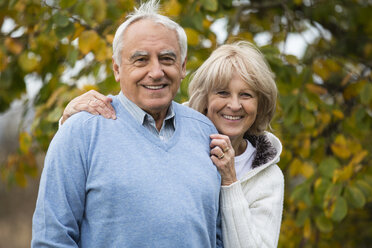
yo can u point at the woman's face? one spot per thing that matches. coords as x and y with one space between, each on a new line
233 109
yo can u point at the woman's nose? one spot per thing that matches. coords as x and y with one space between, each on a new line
234 103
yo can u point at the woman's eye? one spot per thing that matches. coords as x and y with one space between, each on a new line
222 93
247 95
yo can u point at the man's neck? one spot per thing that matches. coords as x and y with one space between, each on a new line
158 117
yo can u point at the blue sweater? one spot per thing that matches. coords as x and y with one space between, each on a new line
111 183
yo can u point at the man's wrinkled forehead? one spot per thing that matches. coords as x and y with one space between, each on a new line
127 34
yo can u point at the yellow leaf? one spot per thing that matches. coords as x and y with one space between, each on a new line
343 174
28 61
24 142
316 89
3 60
368 50
358 157
338 114
353 89
192 36
307 170
307 229
304 149
245 36
87 41
340 148
206 23
100 7
295 167
78 30
325 118
172 8
55 95
319 68
109 38
101 50
88 87
332 65
20 179
13 46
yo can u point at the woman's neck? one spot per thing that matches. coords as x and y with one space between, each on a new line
239 144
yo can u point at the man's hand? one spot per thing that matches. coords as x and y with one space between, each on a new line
92 102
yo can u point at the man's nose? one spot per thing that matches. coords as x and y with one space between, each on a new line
156 70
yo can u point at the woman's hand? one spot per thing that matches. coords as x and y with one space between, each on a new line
92 102
222 155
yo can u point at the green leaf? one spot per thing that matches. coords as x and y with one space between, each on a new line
62 32
72 56
355 196
210 5
302 193
307 119
323 224
60 19
339 210
364 187
320 188
366 94
327 167
301 217
55 115
67 3
334 190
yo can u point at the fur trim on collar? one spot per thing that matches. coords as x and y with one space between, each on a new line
265 151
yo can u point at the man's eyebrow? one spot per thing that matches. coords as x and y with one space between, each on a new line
138 54
168 53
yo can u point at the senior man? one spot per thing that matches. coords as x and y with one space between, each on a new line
144 179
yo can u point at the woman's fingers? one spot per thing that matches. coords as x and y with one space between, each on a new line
222 155
217 152
103 104
92 102
100 103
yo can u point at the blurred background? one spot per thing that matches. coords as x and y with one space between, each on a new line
320 51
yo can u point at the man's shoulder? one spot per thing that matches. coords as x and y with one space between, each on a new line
187 112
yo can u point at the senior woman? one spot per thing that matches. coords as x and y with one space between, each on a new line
235 89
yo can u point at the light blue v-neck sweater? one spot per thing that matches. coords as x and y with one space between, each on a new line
111 183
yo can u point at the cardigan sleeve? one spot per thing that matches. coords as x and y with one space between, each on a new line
61 198
252 210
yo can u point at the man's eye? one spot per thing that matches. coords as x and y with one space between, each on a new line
167 60
140 61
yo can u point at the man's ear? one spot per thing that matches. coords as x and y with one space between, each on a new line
183 70
115 68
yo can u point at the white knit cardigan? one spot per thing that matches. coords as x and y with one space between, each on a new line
251 209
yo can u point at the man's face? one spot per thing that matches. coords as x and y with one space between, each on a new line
151 70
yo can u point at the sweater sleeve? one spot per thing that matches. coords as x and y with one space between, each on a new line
252 210
61 199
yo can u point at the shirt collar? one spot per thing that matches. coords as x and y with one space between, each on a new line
139 114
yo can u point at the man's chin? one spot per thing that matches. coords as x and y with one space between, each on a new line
156 105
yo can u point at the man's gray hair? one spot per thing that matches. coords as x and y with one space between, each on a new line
148 10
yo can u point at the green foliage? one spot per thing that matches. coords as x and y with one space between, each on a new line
324 113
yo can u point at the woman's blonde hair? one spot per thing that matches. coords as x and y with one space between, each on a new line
244 59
